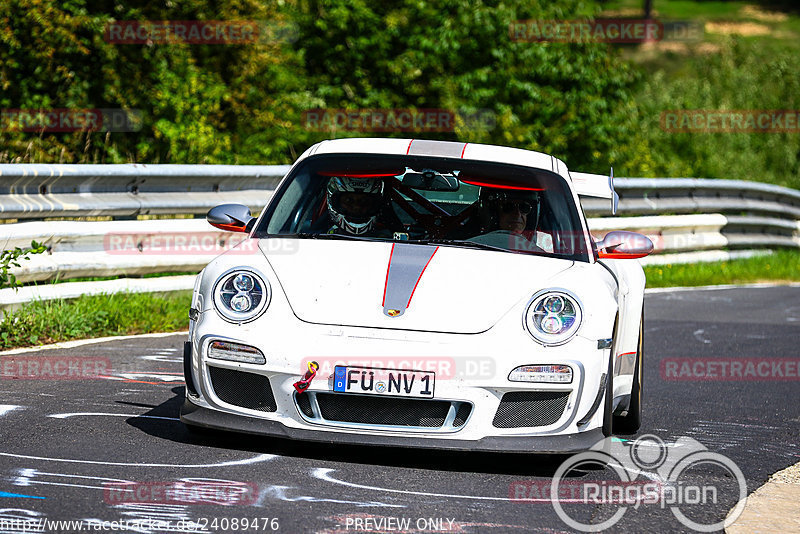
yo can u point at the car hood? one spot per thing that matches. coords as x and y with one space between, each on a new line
405 286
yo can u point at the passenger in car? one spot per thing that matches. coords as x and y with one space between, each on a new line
508 219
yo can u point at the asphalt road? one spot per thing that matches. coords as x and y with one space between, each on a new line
65 445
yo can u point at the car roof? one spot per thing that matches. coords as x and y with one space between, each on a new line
444 149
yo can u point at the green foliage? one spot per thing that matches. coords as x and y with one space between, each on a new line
199 103
566 99
782 265
52 321
10 258
745 75
244 103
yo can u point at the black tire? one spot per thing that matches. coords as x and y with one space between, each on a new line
630 423
608 416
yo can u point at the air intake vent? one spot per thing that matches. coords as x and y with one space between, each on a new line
246 390
462 414
382 410
529 409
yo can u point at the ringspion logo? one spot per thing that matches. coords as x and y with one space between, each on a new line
644 472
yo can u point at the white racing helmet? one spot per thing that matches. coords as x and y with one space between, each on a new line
355 203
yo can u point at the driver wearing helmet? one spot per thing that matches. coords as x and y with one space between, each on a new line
357 205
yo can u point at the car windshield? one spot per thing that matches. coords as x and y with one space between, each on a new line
440 201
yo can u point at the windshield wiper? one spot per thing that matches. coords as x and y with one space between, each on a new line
478 245
310 235
458 243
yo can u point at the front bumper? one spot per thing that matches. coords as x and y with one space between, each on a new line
192 414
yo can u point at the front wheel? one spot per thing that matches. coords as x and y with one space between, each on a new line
630 423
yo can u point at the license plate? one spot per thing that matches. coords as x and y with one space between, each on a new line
390 382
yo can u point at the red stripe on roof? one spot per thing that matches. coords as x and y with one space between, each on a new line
361 175
499 186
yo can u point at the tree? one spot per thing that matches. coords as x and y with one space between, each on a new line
569 99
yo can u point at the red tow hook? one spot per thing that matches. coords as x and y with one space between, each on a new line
302 384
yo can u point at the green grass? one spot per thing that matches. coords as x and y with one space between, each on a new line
52 321
783 265
675 9
106 278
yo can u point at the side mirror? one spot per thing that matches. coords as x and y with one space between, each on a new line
621 244
231 217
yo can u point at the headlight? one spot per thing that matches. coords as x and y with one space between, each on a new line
553 316
240 295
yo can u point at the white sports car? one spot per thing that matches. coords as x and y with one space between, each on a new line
422 294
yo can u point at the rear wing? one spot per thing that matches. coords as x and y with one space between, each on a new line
596 185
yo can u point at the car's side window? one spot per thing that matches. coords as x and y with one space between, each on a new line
287 210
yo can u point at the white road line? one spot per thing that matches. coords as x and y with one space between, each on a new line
78 414
27 473
323 473
721 286
81 342
65 484
698 335
247 461
5 408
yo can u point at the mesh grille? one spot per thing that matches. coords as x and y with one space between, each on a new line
246 390
382 410
304 403
536 408
462 414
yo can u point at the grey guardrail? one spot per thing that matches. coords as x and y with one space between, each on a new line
687 219
35 191
643 196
